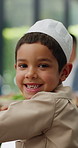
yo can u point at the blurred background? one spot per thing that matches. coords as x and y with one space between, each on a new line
16 16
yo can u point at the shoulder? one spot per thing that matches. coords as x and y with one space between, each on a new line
60 96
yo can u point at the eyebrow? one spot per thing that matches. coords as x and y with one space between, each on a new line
40 60
21 60
45 59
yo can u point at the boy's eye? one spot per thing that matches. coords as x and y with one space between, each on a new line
23 65
43 65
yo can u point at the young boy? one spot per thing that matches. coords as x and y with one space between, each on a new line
47 118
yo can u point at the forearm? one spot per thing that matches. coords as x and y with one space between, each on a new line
25 119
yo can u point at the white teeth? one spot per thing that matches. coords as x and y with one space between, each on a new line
32 86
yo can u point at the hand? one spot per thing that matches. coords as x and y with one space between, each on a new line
3 108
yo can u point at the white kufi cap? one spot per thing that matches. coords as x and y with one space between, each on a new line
56 30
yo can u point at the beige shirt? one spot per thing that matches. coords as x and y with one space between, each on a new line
48 120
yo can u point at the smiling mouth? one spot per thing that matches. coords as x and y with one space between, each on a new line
33 86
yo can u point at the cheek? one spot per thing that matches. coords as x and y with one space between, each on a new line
51 78
47 77
19 78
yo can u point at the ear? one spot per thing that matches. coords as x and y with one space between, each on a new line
15 66
65 71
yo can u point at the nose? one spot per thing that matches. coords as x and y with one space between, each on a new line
31 73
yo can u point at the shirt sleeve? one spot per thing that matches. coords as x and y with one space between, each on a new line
27 118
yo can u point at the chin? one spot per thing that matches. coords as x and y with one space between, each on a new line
28 96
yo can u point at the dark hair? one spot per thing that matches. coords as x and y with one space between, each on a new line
46 40
74 40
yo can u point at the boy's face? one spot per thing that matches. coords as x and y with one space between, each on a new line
36 69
